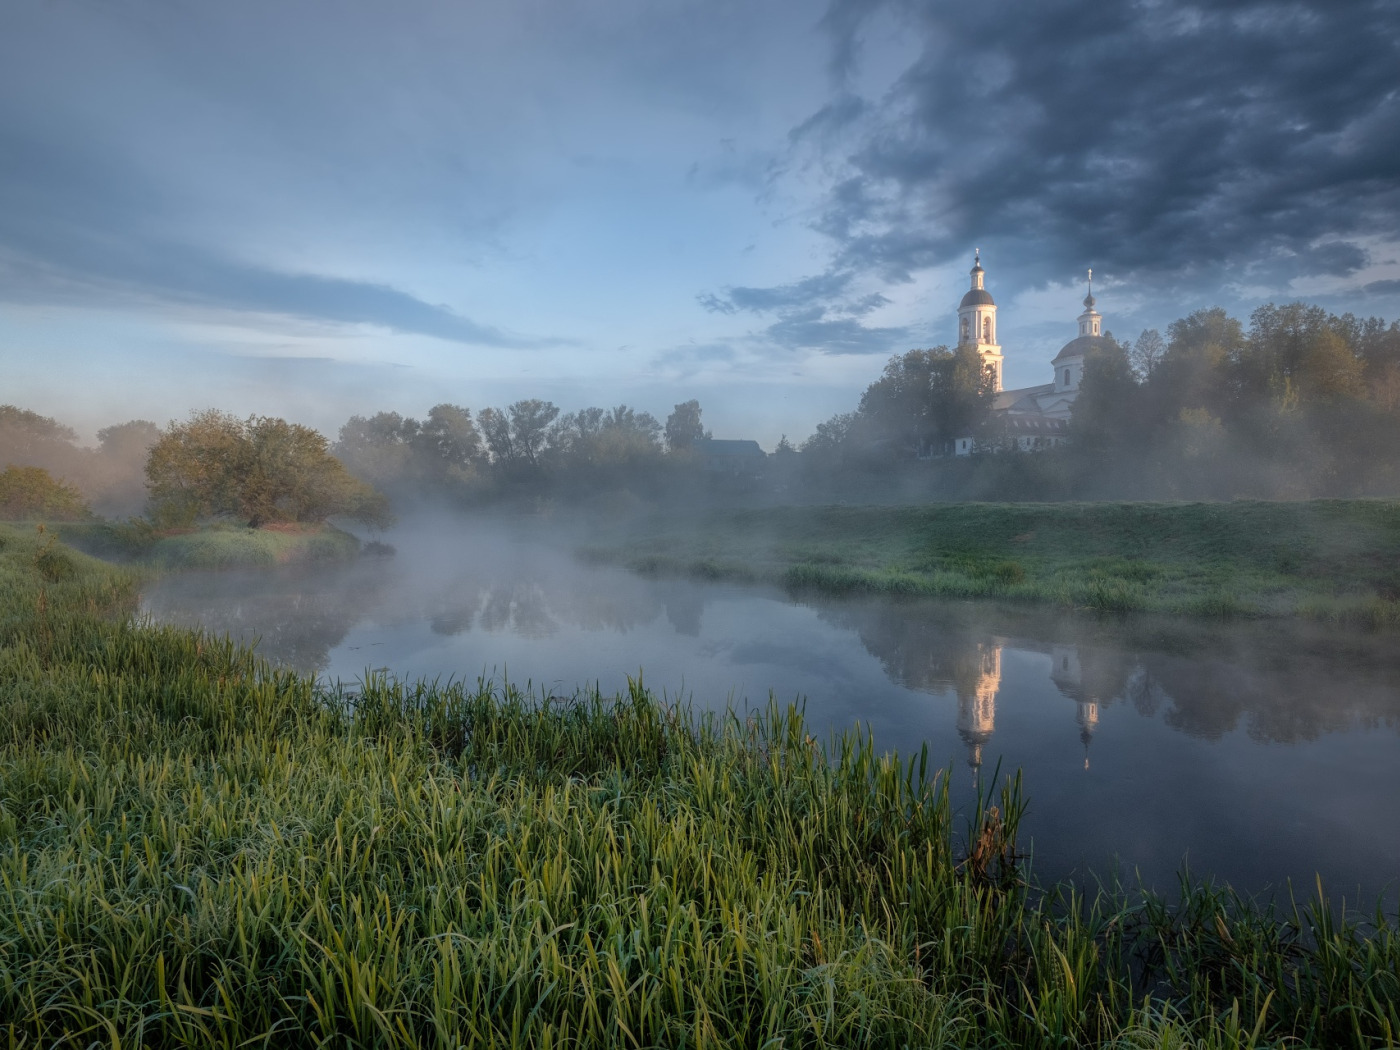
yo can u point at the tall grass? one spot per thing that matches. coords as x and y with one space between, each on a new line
197 849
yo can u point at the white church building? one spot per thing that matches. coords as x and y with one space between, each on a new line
1032 417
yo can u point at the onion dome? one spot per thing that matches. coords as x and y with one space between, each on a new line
977 295
1080 346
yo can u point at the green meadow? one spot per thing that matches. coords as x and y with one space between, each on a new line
197 849
1329 559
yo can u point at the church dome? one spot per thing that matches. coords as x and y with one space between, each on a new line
1080 347
977 297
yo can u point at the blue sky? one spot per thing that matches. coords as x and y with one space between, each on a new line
316 209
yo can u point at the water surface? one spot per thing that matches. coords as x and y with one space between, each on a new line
1254 752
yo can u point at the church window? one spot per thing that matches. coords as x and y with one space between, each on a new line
1066 377
964 329
986 329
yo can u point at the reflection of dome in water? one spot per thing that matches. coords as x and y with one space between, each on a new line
977 706
1087 716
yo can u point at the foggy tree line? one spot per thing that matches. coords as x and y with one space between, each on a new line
530 445
1299 403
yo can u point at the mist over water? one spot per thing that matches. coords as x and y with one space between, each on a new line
1255 752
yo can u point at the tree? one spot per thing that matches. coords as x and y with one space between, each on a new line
449 438
1195 368
31 440
1106 414
262 470
683 427
27 493
529 428
495 430
24 433
926 398
1146 354
128 441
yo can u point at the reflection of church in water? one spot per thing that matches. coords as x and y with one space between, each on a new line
977 697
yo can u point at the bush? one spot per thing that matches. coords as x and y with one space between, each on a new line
31 493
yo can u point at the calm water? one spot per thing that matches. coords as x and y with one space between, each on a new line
1252 752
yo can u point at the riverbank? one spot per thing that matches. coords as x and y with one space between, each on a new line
199 850
221 546
1336 560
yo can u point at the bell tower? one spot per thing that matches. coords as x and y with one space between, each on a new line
977 321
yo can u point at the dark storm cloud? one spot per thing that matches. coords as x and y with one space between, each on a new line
1159 137
815 313
813 329
1189 145
76 227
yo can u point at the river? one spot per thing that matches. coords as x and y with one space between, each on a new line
1252 752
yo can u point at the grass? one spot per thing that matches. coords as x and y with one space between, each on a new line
1329 559
221 546
197 849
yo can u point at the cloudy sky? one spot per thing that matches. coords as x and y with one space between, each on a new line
314 209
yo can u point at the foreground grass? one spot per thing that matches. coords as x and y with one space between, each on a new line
223 546
199 850
1330 559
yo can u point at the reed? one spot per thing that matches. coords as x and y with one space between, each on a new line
197 849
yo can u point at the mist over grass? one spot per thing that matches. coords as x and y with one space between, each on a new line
1333 560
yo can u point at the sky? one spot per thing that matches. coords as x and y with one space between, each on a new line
316 209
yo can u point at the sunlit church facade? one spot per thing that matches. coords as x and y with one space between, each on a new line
1032 417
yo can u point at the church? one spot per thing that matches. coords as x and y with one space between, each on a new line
1032 417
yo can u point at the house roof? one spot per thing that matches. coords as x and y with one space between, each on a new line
729 448
1007 400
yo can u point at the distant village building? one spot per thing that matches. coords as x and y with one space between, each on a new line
731 457
1032 417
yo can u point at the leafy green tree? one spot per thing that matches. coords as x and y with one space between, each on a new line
29 493
24 433
31 440
378 448
529 428
1106 415
449 438
262 470
495 430
927 398
1195 369
683 427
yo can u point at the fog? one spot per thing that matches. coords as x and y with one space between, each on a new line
1145 741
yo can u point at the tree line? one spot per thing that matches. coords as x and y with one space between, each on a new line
1298 403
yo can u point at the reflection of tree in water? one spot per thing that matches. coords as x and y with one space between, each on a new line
1284 682
536 608
296 615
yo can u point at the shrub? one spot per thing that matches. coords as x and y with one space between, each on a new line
30 493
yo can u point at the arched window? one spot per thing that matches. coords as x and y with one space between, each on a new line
986 329
1066 377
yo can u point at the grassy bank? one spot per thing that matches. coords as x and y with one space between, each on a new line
198 850
211 547
1330 559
